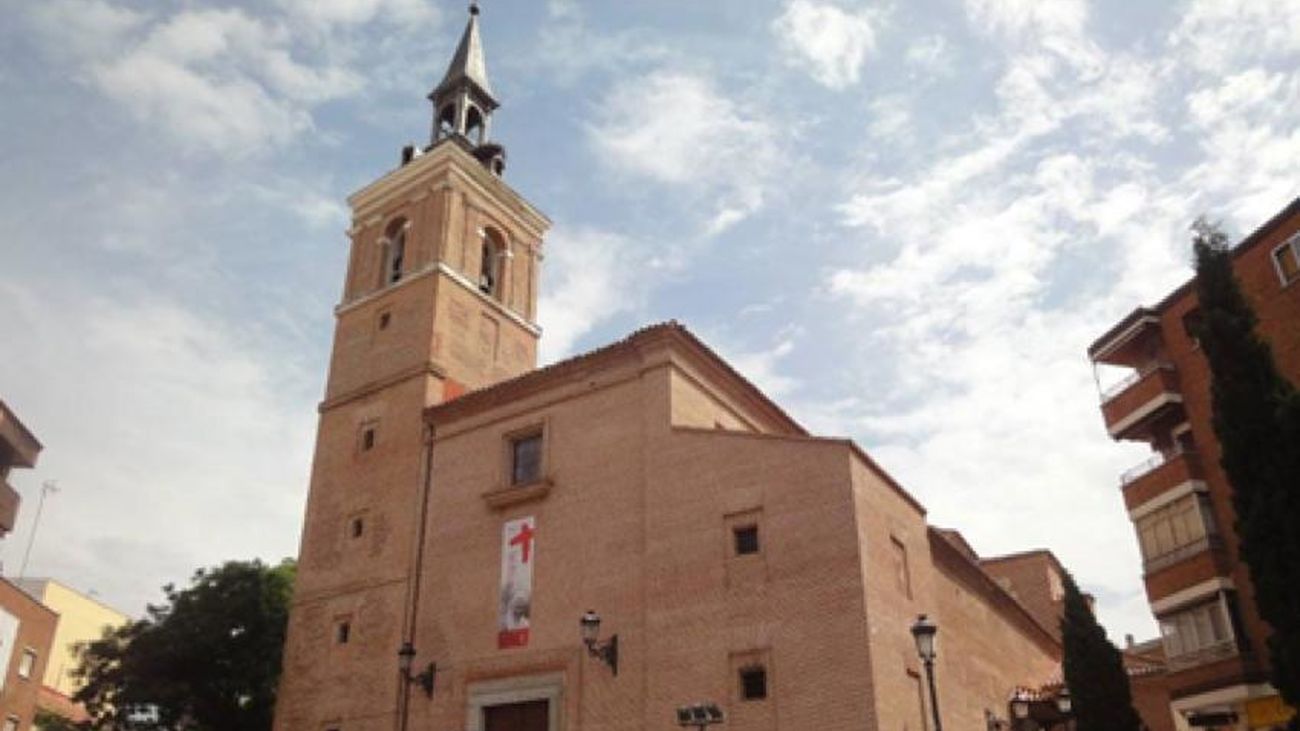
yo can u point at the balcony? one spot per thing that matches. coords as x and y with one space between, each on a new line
1132 406
1160 473
1213 653
1130 341
1210 543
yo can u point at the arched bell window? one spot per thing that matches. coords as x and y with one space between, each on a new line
394 251
447 121
492 263
474 126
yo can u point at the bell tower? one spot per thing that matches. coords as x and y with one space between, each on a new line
440 297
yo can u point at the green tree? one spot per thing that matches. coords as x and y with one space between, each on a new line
1094 669
206 660
1257 421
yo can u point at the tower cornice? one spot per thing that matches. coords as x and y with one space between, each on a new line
448 158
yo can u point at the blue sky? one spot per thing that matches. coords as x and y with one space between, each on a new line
904 220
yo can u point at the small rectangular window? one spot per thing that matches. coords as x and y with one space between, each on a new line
357 527
26 664
753 683
526 459
746 539
11 723
342 632
1287 260
384 319
369 436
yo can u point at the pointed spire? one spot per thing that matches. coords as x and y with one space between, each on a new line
468 64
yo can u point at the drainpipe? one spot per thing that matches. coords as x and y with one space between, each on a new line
413 578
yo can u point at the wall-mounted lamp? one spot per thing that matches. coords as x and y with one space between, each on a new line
700 715
405 657
606 651
923 631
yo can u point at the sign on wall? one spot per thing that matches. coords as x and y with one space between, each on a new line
518 552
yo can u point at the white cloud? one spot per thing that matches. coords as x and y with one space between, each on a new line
327 13
85 29
932 54
679 129
828 42
762 367
569 49
175 443
1024 19
1220 36
222 81
589 276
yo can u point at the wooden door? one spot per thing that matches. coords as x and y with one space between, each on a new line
527 716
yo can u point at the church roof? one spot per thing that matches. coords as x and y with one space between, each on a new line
468 65
513 388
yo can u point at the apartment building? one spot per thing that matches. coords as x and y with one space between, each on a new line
1179 499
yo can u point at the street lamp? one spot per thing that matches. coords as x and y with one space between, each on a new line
425 679
923 631
606 651
699 715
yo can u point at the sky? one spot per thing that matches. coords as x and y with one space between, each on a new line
905 221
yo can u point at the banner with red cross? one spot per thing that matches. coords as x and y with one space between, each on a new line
518 552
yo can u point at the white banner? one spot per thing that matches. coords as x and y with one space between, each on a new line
518 551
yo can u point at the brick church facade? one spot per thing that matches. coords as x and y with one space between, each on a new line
468 508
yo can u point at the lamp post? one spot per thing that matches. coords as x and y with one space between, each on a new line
699 715
606 651
923 631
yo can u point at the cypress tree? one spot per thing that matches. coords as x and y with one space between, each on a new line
1094 669
1257 422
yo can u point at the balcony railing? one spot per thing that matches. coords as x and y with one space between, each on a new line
1211 653
1132 378
1159 459
1209 542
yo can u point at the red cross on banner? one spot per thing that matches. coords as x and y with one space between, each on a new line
524 539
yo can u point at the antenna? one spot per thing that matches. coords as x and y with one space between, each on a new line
47 487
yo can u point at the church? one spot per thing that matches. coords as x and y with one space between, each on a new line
608 540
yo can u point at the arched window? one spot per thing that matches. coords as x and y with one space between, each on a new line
447 121
394 251
491 263
474 124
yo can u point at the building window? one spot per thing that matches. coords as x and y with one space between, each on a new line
902 577
342 631
394 251
1175 531
11 723
526 459
753 683
1287 260
27 663
357 527
369 436
746 537
385 318
1197 631
491 262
